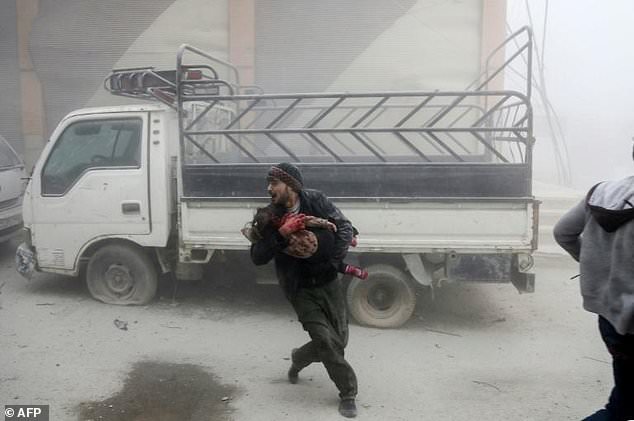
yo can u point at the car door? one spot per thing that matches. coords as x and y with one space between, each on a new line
93 184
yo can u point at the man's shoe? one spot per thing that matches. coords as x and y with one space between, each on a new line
293 372
348 408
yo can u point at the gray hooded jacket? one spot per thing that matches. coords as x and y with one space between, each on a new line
599 234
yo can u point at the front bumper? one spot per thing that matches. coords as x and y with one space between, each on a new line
25 260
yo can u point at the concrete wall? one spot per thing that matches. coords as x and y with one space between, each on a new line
435 45
362 45
10 105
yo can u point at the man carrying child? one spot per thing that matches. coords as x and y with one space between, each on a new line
311 286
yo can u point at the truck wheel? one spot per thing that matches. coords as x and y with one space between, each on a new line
121 274
386 299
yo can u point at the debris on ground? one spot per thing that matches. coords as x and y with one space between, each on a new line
121 324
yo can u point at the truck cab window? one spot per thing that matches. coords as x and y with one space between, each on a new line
89 146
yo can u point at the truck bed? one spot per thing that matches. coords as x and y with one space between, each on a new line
386 225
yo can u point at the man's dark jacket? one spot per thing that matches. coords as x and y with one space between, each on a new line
294 273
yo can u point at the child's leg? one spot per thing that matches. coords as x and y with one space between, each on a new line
352 270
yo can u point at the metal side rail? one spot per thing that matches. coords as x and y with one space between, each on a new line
368 127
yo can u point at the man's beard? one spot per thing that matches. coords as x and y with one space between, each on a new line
280 199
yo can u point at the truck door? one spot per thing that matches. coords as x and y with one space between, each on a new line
93 183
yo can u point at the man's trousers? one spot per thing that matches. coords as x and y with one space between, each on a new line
322 312
621 402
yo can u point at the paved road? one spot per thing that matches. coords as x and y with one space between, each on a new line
220 352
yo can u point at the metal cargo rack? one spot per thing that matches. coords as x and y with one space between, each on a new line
476 142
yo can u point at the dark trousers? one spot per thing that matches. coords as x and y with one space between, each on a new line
620 406
327 347
322 312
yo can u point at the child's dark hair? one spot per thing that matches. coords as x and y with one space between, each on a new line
266 218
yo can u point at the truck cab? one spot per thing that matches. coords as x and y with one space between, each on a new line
104 177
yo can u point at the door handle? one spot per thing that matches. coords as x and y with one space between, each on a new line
131 208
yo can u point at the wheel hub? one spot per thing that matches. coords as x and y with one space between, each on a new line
119 279
381 297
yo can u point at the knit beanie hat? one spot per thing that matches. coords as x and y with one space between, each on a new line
288 174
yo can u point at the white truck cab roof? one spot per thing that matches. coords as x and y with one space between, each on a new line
118 109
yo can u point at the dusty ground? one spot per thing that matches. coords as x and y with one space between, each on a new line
220 352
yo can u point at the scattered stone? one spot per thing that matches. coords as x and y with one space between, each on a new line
121 324
486 384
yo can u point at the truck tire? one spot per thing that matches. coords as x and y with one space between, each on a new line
386 299
121 274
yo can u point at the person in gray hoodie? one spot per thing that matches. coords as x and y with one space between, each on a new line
599 234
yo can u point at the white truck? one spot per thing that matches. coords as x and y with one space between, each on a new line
437 183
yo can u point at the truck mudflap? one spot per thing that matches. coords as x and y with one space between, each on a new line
524 282
25 260
495 268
